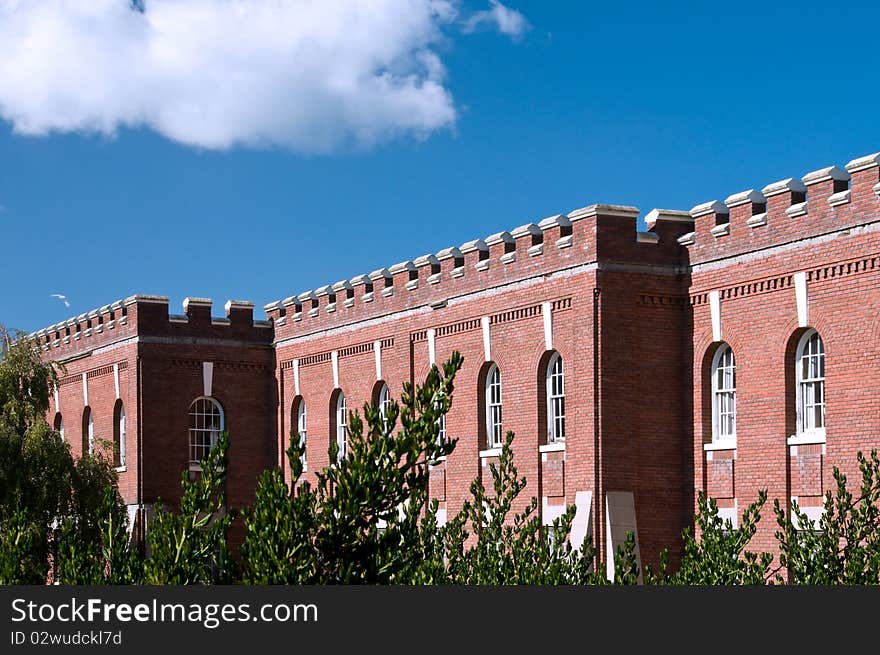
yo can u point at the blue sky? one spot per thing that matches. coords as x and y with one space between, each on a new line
628 103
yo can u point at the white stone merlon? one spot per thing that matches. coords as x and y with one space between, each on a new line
825 174
799 209
359 280
425 260
380 273
322 290
861 163
476 244
621 211
449 253
839 198
757 220
401 266
743 197
527 229
788 185
711 207
342 285
290 300
668 216
498 237
306 295
159 300
196 302
272 305
237 304
560 220
720 230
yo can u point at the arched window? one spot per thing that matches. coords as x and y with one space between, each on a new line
723 395
88 432
493 407
810 385
555 400
341 424
299 413
441 429
206 422
119 434
59 425
384 403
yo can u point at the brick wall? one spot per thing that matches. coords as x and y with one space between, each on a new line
630 313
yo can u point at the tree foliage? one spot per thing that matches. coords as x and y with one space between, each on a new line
843 546
41 486
189 546
368 518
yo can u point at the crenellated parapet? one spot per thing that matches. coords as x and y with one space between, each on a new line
821 202
556 243
142 315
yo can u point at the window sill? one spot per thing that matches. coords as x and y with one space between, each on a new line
720 445
195 466
120 469
805 439
490 452
554 447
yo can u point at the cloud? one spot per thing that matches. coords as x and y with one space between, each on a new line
506 20
307 75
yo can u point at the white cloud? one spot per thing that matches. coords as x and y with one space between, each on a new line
309 75
506 20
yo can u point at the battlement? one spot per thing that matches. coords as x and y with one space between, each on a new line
823 201
148 315
558 242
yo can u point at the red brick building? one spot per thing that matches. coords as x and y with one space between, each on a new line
727 349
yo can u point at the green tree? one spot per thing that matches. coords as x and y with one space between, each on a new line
360 522
106 555
520 550
718 556
843 546
41 486
189 546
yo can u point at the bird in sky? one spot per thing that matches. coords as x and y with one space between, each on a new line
62 298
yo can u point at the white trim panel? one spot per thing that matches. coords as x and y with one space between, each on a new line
487 341
208 378
432 351
803 305
715 309
547 314
377 353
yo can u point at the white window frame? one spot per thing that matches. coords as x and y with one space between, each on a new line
555 400
121 428
214 430
341 425
808 386
723 396
494 405
441 429
302 429
91 433
384 403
